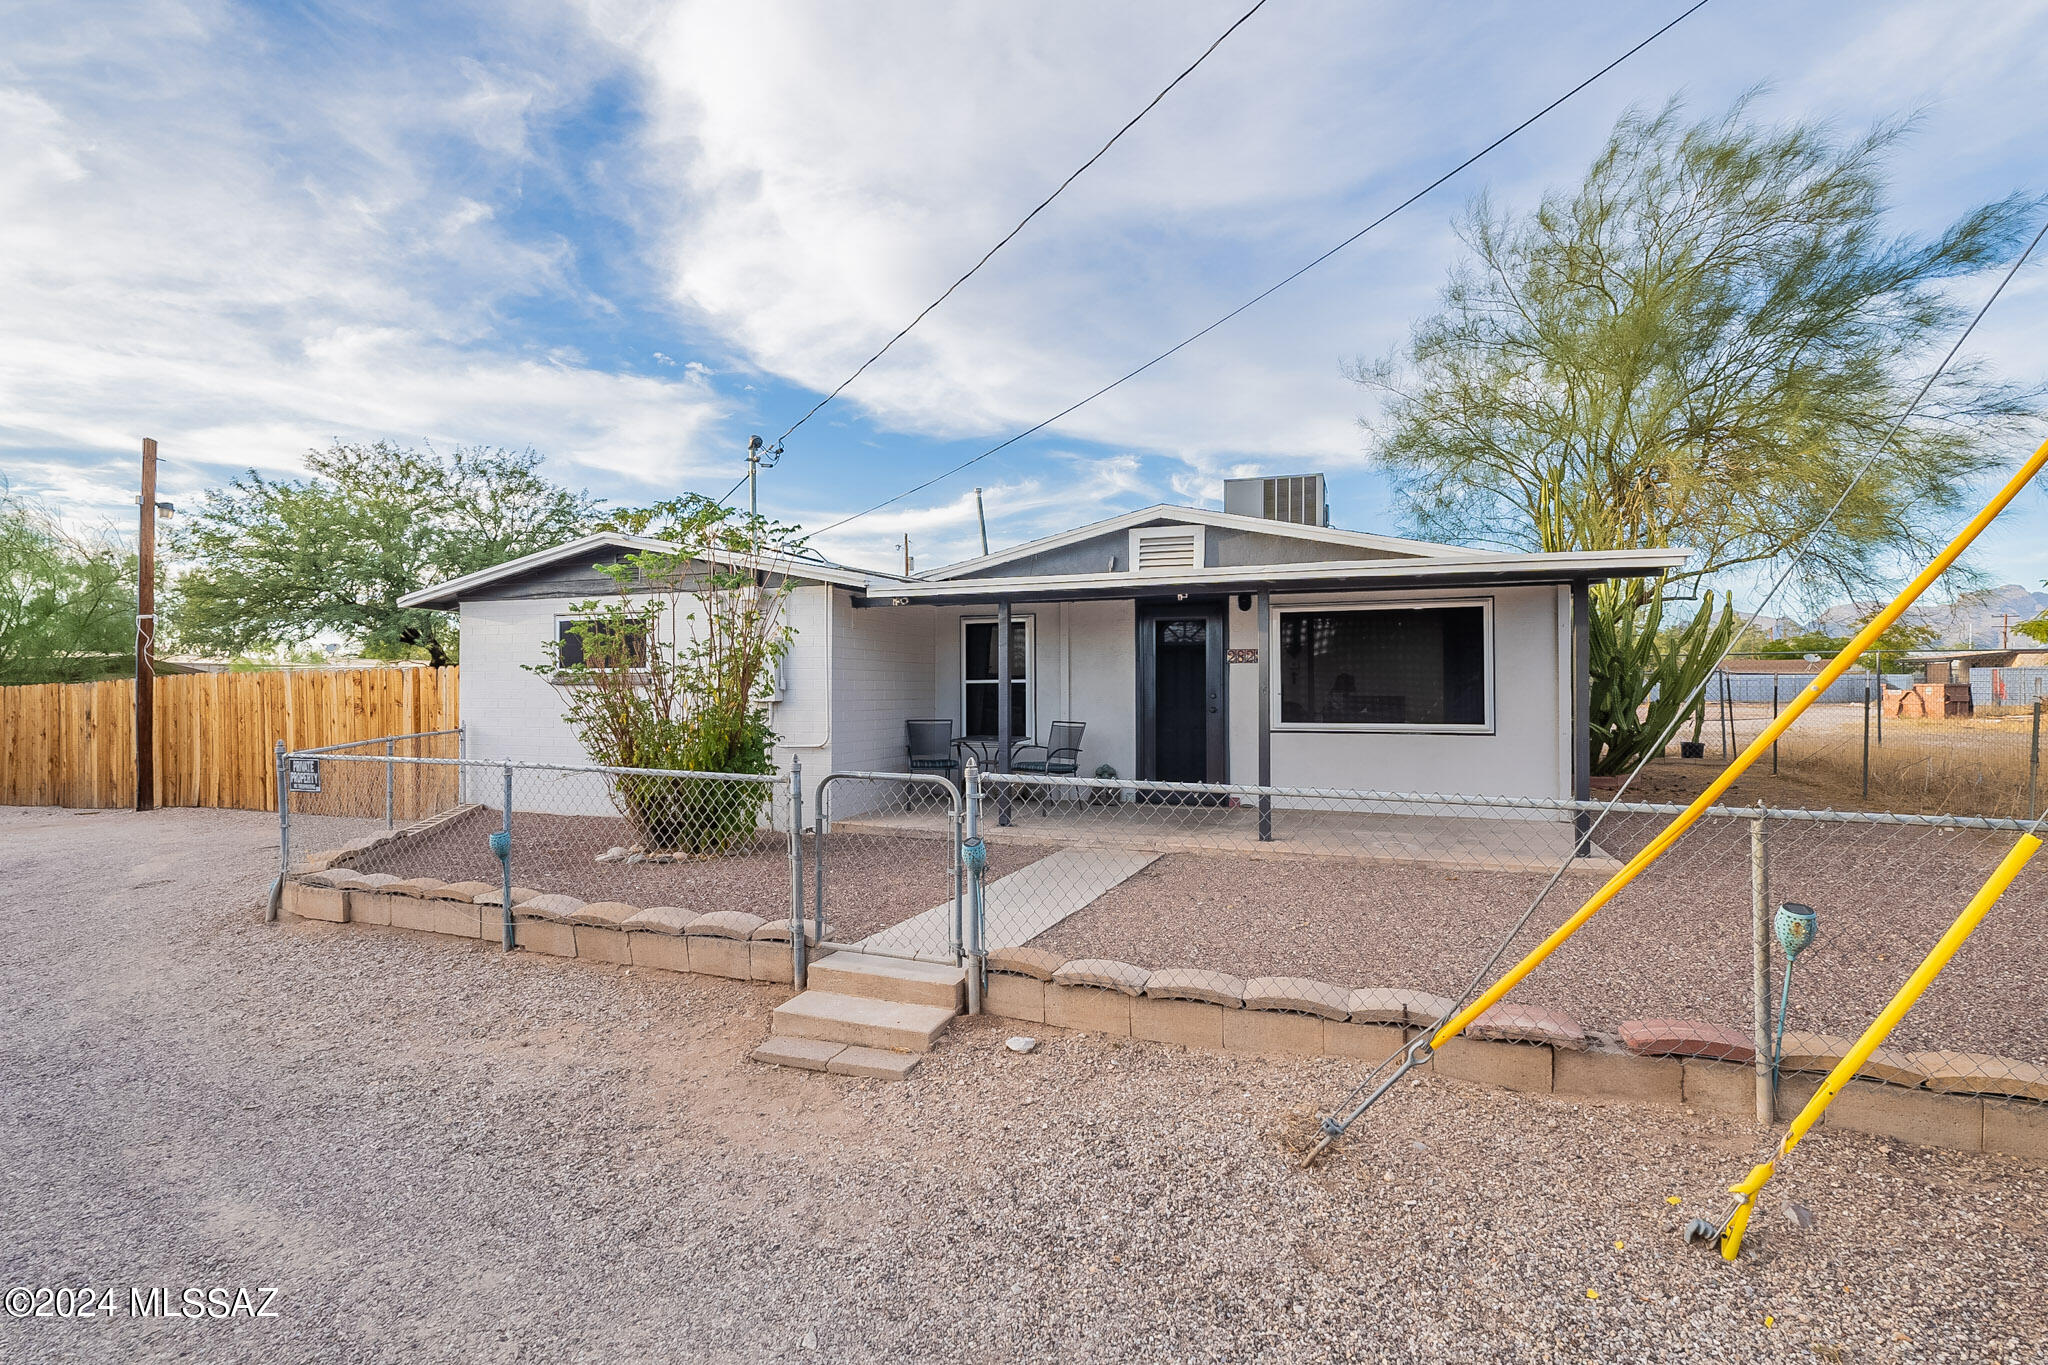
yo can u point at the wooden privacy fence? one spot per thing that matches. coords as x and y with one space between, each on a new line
73 744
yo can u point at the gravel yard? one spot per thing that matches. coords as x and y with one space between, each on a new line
1676 943
442 1152
887 878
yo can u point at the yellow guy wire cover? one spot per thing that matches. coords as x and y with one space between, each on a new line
1684 820
1880 1029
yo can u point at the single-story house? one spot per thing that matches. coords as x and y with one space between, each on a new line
1254 647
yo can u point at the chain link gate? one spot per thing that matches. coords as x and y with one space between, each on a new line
887 877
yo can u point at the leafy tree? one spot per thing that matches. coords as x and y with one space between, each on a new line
67 599
276 562
1700 345
1892 644
669 672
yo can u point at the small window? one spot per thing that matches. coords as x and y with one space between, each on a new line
978 682
1386 667
570 645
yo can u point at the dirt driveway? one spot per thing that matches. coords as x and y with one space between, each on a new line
438 1152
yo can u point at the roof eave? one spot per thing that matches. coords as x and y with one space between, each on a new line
1475 572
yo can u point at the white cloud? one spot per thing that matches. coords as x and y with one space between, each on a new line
837 165
244 270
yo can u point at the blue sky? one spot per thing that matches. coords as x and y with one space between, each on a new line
629 235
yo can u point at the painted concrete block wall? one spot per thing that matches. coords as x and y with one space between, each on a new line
882 673
512 713
802 720
1522 757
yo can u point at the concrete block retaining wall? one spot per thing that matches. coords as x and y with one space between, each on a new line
1528 1049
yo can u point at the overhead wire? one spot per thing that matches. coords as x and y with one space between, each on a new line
1427 1041
1023 222
1282 283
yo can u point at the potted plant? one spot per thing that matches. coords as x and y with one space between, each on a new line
1105 796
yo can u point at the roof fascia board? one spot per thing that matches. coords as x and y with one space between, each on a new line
1364 573
790 566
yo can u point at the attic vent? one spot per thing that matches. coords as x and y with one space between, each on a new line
1166 549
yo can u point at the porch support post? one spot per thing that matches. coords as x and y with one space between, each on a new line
1582 710
1003 734
1264 611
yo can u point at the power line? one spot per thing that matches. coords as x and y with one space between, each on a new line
1281 284
1023 222
1335 1127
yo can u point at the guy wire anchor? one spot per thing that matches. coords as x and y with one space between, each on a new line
1411 1056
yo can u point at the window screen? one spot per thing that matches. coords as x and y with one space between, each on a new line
570 642
1407 666
978 674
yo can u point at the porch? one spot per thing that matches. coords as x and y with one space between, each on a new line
1489 841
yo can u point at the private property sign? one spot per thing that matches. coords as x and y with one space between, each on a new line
304 775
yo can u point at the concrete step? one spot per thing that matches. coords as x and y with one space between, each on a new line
813 1054
891 978
860 1022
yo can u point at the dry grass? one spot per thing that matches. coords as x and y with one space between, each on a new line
1975 766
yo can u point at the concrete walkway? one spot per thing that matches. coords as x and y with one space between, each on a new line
1021 906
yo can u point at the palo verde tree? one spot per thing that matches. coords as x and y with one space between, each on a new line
67 597
671 670
1700 345
270 562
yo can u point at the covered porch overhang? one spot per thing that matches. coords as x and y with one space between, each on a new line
1254 588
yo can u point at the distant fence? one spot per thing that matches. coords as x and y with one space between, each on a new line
73 744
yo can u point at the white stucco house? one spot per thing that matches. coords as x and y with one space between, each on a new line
1251 645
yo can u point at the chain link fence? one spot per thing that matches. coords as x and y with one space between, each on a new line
1381 907
1366 906
1854 750
692 842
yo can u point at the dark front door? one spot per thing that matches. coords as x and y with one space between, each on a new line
1180 693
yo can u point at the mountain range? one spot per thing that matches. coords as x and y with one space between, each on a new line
1975 620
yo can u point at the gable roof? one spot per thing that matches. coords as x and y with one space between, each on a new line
450 593
1202 516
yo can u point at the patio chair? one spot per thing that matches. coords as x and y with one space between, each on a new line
1059 756
931 747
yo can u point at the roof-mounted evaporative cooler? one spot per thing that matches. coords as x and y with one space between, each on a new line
1282 497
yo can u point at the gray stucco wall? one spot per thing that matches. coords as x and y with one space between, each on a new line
1224 548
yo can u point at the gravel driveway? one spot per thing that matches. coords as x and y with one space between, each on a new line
440 1152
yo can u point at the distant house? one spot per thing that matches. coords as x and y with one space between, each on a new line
1244 646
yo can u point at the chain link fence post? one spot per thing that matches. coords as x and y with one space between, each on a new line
501 844
1760 964
390 784
1866 741
1774 716
284 830
799 967
967 842
2034 761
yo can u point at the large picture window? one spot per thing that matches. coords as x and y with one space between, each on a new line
1378 668
978 677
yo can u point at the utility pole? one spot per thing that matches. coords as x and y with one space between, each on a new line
981 516
906 554
145 638
757 460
